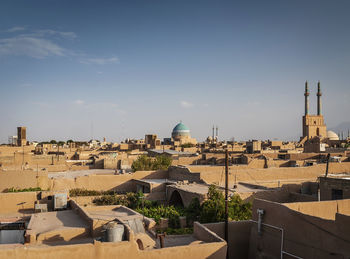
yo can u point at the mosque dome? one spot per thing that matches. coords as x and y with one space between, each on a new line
180 130
331 135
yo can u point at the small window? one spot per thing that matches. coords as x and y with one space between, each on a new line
337 194
49 198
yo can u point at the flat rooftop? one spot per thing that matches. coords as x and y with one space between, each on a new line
155 181
112 212
56 220
74 174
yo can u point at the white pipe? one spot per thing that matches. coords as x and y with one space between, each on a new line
282 238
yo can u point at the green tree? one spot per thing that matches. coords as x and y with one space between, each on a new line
53 142
186 145
146 163
162 162
142 163
213 209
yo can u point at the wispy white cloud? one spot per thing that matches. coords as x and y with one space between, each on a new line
100 61
30 46
186 104
16 28
45 33
41 44
79 102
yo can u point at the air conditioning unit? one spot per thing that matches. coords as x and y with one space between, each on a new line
60 201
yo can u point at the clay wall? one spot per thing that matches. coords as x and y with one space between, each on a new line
22 179
238 236
304 235
327 185
269 176
183 173
17 202
100 250
122 182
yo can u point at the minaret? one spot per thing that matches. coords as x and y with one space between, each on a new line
306 94
319 103
213 133
217 131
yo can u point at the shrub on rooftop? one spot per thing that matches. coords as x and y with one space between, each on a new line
30 189
146 163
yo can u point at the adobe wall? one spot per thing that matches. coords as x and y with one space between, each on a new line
280 196
269 176
27 179
324 209
22 179
185 160
186 196
304 235
238 236
121 182
12 202
183 173
328 184
106 250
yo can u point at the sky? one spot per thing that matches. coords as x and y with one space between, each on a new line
122 69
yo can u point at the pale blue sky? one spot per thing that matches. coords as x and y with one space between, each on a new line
117 69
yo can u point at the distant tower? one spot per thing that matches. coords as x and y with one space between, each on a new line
21 136
306 94
313 125
217 132
319 103
213 133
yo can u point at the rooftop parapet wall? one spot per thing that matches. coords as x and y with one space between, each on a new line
304 235
99 250
17 202
324 209
181 173
270 176
238 236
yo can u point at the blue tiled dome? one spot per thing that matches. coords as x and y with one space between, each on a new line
180 130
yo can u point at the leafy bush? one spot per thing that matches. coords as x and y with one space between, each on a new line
213 209
193 211
130 199
176 231
111 200
30 189
146 163
186 145
83 192
158 212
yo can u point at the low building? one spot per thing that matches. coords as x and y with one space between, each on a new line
334 187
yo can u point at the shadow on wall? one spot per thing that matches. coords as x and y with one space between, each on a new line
130 185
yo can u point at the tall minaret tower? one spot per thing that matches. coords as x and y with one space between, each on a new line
306 94
319 103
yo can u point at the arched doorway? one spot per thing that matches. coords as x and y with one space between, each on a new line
175 199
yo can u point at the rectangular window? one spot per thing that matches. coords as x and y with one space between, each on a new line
337 194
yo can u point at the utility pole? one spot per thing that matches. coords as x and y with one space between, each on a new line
226 200
23 159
